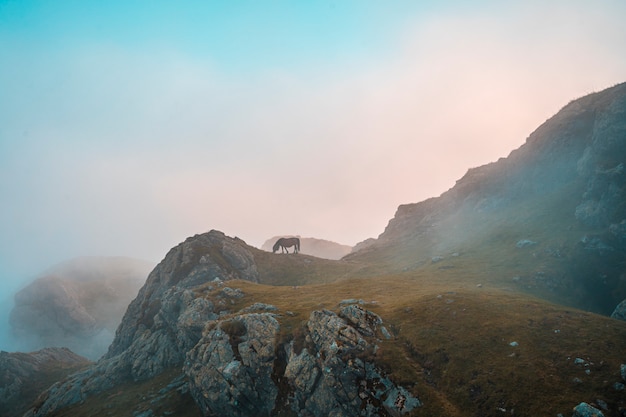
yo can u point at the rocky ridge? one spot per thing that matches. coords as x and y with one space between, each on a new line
565 188
235 360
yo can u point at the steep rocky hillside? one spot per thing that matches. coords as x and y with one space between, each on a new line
549 219
320 248
77 304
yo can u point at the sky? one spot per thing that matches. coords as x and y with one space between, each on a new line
127 126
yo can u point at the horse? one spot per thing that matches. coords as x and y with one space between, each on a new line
287 242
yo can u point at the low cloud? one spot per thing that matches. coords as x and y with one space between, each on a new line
111 152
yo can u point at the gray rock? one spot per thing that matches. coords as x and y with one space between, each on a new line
622 371
332 376
259 307
525 243
365 321
620 312
230 369
585 410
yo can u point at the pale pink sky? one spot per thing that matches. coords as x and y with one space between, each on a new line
111 148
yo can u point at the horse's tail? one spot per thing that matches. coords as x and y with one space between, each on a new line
298 244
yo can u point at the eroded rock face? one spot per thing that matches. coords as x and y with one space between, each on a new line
230 369
239 368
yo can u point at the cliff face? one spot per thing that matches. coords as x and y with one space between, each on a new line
564 190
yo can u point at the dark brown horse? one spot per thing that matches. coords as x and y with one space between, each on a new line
287 242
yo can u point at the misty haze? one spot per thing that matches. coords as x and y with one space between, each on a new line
451 176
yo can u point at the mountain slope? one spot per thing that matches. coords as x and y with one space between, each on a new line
563 193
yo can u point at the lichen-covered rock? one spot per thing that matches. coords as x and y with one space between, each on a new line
239 368
334 373
365 321
230 369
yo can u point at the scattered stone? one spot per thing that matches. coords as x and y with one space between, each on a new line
603 405
585 410
525 243
436 259
232 293
514 344
479 285
385 332
260 307
579 361
618 386
351 301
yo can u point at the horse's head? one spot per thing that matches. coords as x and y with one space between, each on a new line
276 246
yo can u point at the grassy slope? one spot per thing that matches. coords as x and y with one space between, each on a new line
451 346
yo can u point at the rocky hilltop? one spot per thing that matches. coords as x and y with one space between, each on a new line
320 248
77 304
237 361
552 214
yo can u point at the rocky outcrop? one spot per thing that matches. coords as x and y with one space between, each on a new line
166 319
319 248
77 304
239 368
231 368
23 376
